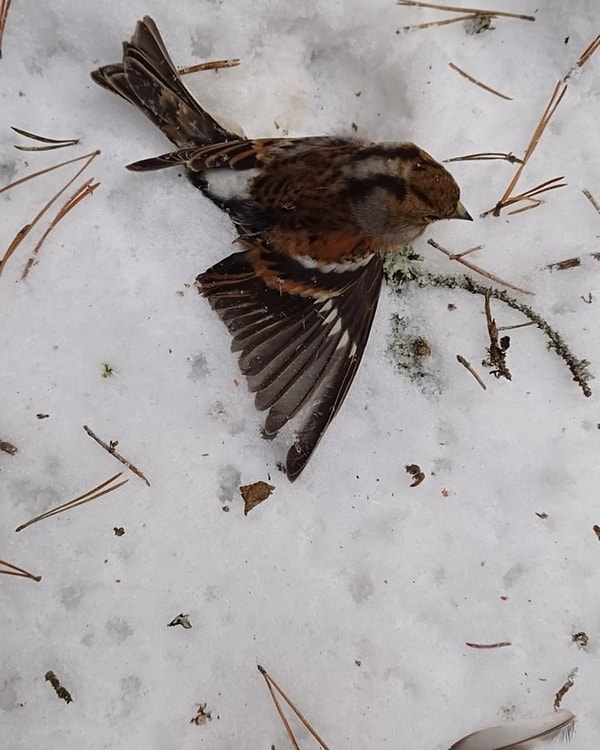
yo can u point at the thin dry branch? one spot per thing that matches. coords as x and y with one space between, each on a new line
481 85
274 688
24 231
500 644
14 570
110 448
4 8
471 11
563 265
579 368
477 269
82 191
102 489
469 367
213 65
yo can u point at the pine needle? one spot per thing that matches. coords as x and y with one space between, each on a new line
82 191
93 494
591 199
273 689
472 11
470 78
14 570
4 8
52 143
24 231
486 156
558 93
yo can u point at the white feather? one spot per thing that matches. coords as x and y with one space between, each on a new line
521 735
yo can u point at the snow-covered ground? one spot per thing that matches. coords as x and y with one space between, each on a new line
357 592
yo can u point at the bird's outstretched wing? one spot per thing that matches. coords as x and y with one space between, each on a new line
299 350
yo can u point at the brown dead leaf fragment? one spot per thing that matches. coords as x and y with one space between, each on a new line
415 471
59 689
254 494
118 530
564 689
202 715
597 531
7 447
582 639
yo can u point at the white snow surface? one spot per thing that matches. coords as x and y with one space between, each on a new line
356 591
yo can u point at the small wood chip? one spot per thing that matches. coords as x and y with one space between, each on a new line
59 689
254 494
568 684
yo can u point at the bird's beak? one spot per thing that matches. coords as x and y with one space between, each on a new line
461 212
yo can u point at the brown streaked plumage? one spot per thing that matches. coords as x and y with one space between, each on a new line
314 217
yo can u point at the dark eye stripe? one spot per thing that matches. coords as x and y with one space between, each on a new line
407 152
421 195
357 189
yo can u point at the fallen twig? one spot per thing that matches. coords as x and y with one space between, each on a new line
477 269
563 265
14 570
93 494
213 65
110 448
470 78
467 365
578 367
500 644
497 348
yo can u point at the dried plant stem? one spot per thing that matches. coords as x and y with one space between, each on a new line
591 199
578 367
110 448
500 644
472 11
22 233
213 65
445 22
273 689
469 367
82 191
4 8
477 269
496 352
487 156
14 570
470 78
102 489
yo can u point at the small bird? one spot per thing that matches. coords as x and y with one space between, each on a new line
314 216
